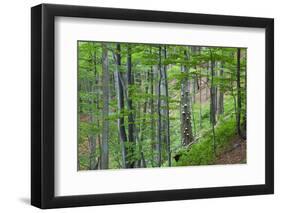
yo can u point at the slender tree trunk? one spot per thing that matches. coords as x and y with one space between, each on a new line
213 103
213 94
159 142
105 111
98 146
92 101
221 93
194 78
200 91
167 112
141 161
239 105
131 138
245 91
120 104
152 112
207 81
186 126
163 104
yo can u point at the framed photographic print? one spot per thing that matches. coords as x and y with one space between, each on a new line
139 106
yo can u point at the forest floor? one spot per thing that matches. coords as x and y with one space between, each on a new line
236 153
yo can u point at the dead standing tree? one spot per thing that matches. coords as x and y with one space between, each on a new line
186 127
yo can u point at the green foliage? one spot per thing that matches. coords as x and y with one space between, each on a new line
182 64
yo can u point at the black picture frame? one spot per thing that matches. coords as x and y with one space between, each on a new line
43 105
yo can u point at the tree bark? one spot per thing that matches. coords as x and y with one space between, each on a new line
168 149
186 126
92 101
200 98
130 155
221 92
159 142
212 94
105 111
245 112
141 161
213 102
152 112
120 104
238 93
207 81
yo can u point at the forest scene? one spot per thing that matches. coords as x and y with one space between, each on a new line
160 105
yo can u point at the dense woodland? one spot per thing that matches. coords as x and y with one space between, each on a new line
151 105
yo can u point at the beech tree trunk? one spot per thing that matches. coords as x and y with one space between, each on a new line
131 137
159 132
221 93
213 95
245 112
239 105
152 112
141 160
120 103
200 99
105 111
213 102
167 119
186 126
92 101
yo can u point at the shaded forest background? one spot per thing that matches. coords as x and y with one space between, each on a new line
150 105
